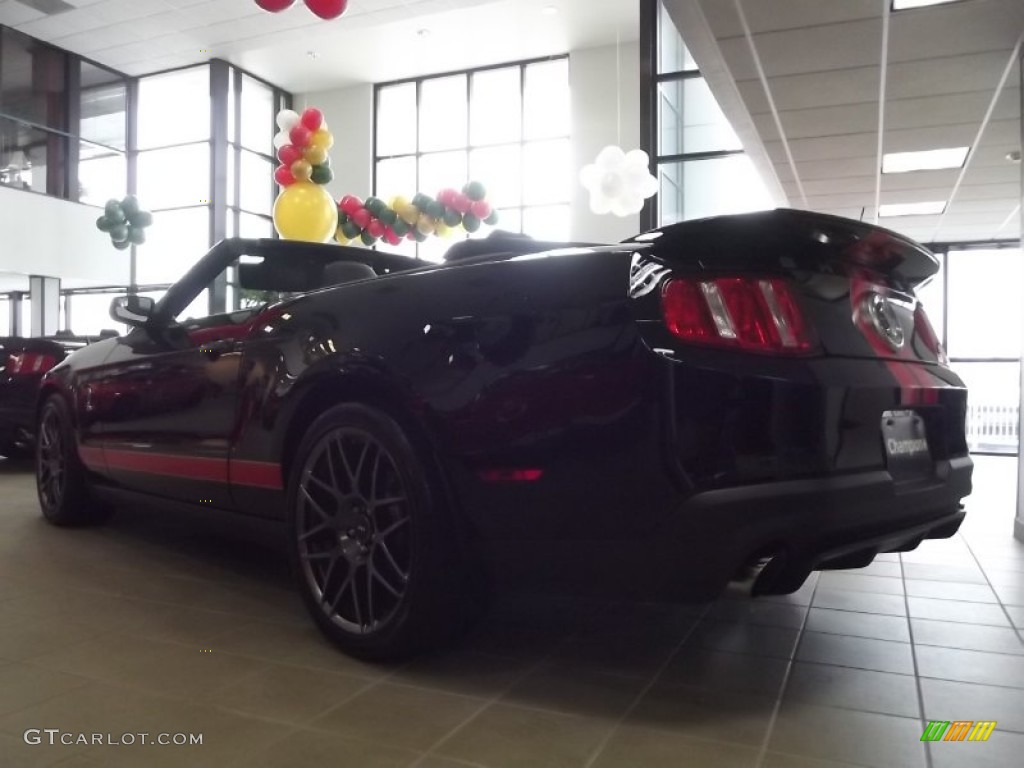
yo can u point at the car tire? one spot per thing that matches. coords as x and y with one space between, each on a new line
61 482
371 538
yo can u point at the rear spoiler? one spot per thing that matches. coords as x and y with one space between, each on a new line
786 239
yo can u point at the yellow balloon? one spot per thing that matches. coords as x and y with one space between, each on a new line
323 139
340 237
442 229
398 203
425 224
302 170
410 213
315 155
305 211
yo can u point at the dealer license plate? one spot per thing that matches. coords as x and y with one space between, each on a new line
906 445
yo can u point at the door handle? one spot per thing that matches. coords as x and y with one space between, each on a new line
214 349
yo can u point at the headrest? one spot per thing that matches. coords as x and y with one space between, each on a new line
338 272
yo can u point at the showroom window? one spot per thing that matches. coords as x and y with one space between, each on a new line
506 126
5 316
230 126
62 122
702 169
959 301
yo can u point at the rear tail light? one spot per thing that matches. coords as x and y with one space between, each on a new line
29 363
925 332
753 314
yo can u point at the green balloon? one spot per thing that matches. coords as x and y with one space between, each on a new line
452 217
136 236
367 238
140 219
103 224
470 222
474 190
130 205
322 174
492 219
421 201
350 230
401 227
119 233
113 211
373 205
435 209
388 216
419 236
122 245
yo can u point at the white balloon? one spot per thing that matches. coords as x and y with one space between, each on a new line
281 139
287 119
618 181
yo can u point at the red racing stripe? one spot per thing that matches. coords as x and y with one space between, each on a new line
258 474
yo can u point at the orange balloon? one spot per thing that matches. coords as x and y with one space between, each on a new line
302 170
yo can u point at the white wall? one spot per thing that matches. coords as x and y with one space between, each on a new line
47 236
349 115
605 110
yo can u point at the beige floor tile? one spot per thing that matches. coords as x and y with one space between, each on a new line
700 713
1000 751
757 640
575 691
758 612
871 625
855 582
29 637
15 753
861 738
861 602
426 716
779 760
860 652
464 672
699 667
22 685
635 746
958 611
313 748
948 700
286 693
974 637
970 666
860 689
950 590
90 708
505 736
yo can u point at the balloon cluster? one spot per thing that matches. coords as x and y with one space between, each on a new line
125 222
304 210
302 144
417 219
325 9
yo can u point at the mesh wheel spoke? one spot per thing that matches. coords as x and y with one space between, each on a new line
383 547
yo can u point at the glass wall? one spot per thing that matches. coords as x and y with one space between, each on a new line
973 304
507 126
701 166
63 122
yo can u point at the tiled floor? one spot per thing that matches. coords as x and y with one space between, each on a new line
161 626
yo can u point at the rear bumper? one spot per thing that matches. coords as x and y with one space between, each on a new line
802 525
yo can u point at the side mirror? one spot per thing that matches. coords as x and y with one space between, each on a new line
132 310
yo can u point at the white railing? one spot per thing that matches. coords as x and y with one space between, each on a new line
993 428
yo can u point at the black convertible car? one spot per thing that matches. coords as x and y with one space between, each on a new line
650 417
23 363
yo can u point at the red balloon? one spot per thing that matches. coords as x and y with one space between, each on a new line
275 6
288 154
327 9
350 204
446 197
462 203
375 227
312 118
361 217
481 209
284 176
301 136
411 235
392 237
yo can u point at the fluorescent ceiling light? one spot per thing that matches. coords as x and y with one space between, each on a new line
930 208
924 160
902 5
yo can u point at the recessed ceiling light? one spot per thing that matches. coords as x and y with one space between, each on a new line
902 5
930 208
925 160
1013 156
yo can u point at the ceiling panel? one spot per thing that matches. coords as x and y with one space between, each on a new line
915 36
785 14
